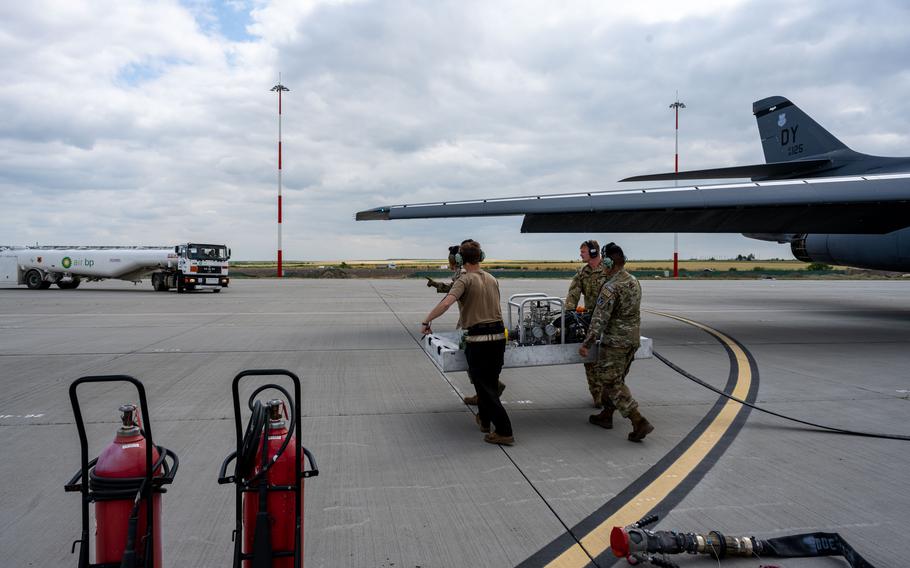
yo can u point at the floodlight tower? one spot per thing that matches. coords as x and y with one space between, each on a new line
676 106
279 88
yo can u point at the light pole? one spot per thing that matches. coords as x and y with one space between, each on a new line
279 88
676 106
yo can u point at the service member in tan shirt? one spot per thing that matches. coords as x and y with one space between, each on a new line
455 265
477 294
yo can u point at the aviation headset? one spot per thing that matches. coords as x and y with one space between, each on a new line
593 251
609 249
453 254
459 260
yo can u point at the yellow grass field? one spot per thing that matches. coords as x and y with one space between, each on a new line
435 264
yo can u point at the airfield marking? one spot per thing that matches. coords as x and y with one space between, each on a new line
675 477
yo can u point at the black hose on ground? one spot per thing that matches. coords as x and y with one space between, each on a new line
696 380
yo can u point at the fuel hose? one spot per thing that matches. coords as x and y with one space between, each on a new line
638 544
698 381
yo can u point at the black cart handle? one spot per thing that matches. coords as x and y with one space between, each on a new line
80 424
314 469
223 477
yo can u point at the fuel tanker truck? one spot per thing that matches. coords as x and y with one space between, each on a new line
186 267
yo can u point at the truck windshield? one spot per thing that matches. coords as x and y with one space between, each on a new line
206 252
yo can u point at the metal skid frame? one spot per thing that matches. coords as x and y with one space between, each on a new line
444 349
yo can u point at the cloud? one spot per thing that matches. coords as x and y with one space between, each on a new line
140 122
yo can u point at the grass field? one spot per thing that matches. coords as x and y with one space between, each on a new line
647 269
555 265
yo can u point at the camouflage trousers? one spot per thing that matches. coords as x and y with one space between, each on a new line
609 374
594 387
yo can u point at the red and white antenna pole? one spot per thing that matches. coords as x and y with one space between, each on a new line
279 87
676 106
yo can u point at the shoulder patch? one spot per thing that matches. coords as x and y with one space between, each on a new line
601 301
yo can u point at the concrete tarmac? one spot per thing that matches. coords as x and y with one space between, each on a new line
405 478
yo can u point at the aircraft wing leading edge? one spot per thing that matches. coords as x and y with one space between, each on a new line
860 205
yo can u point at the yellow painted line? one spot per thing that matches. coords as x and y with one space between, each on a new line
598 540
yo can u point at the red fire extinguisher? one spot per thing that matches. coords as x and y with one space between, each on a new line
125 482
269 479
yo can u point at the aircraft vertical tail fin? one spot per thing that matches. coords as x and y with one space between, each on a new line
787 133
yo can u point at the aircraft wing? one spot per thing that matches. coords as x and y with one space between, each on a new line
860 205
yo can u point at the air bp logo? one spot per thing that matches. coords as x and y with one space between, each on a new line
782 119
66 262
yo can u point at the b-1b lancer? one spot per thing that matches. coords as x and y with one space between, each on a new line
832 204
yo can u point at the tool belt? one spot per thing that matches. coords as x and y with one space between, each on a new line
491 331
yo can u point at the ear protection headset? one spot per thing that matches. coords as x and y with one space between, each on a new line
609 249
592 248
459 260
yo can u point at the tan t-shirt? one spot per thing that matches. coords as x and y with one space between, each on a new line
478 299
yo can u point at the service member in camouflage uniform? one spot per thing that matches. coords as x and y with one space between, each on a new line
443 288
587 283
616 323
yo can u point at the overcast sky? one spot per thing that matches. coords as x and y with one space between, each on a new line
130 122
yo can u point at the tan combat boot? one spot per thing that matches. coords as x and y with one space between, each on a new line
494 438
605 418
640 427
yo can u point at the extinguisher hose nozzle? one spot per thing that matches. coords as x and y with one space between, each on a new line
262 542
129 553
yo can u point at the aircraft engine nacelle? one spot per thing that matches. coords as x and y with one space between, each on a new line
876 252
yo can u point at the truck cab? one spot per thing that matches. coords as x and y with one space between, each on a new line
199 267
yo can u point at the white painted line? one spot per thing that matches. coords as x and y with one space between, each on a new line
39 415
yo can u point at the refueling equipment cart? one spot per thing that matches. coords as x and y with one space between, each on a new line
541 334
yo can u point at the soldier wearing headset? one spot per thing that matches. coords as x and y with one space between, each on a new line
458 270
587 283
616 324
477 294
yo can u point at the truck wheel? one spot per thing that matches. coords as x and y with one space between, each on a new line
159 282
71 284
34 280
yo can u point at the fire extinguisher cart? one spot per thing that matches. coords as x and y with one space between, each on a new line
268 478
122 486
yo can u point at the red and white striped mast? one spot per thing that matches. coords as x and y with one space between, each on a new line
279 87
676 106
